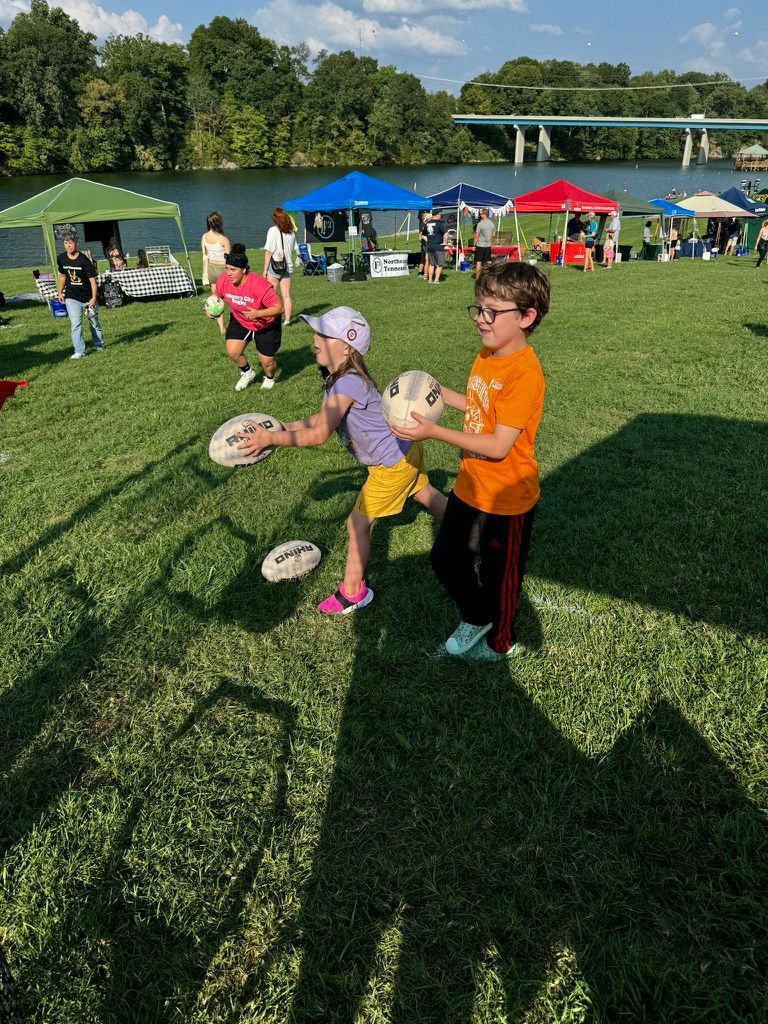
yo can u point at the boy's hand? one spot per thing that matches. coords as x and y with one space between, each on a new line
255 441
422 429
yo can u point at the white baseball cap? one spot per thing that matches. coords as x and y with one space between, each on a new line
344 323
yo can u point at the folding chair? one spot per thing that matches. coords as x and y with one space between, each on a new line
331 254
314 266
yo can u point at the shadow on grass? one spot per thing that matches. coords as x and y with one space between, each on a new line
469 853
140 334
22 356
759 330
663 513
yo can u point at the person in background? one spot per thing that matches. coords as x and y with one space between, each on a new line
278 258
423 218
614 227
484 235
647 239
142 263
608 251
574 229
762 243
731 234
77 290
590 235
672 241
435 231
214 245
114 257
255 317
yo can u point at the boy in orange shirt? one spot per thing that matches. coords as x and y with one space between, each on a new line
490 510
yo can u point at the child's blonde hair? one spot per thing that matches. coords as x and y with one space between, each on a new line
521 283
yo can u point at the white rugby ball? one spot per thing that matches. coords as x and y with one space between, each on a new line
290 560
412 391
224 445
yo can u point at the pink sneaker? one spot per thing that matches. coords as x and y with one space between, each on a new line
340 604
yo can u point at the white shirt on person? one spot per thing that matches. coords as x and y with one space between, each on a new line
277 239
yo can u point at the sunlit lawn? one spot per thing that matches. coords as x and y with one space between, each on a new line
219 807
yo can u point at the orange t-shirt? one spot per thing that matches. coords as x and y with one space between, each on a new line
507 390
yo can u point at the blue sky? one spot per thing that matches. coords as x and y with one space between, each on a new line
457 39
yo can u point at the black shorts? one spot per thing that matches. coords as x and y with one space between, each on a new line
589 243
267 340
483 254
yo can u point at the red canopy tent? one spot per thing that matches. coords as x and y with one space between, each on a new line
562 196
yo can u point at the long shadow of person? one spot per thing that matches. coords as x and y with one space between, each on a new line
468 843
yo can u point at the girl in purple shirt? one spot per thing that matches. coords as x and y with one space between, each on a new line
352 407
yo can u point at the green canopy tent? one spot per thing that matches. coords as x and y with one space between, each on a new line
80 201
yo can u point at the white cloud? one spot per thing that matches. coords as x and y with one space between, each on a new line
10 8
731 13
715 40
546 30
328 26
92 17
416 7
757 53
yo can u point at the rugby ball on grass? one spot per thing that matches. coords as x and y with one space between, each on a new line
224 444
290 560
412 391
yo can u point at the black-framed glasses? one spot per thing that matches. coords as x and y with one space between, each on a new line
489 315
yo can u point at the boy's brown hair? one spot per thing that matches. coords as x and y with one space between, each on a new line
521 283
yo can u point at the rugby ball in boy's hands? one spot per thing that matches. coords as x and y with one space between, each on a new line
224 445
412 391
290 560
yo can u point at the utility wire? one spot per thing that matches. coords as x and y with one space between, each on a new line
590 88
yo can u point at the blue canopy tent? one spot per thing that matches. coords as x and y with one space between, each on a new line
738 198
357 191
672 211
471 197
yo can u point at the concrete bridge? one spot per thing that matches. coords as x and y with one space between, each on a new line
688 125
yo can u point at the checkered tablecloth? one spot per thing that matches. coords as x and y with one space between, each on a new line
138 284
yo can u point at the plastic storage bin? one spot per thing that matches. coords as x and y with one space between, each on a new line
334 273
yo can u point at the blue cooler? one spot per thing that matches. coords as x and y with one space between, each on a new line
58 309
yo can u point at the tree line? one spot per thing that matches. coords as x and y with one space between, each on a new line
232 97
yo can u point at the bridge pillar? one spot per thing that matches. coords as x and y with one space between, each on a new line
544 148
688 148
519 144
703 147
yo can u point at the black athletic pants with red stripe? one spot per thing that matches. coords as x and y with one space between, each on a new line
490 593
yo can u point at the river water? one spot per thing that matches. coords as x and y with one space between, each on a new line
246 198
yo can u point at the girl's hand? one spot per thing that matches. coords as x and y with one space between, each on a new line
252 314
420 431
254 441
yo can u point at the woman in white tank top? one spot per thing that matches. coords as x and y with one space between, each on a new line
214 245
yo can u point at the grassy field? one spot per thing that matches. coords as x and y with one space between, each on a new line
219 807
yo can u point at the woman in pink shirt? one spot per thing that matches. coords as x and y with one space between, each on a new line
256 311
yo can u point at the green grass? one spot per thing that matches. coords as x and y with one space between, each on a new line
219 807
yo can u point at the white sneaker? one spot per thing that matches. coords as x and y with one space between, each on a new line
268 383
77 355
465 636
245 379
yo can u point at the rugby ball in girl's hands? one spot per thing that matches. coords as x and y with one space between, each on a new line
290 560
213 305
224 446
412 391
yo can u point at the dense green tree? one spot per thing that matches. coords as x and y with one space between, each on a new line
47 59
153 79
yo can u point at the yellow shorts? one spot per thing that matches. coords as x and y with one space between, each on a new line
389 487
